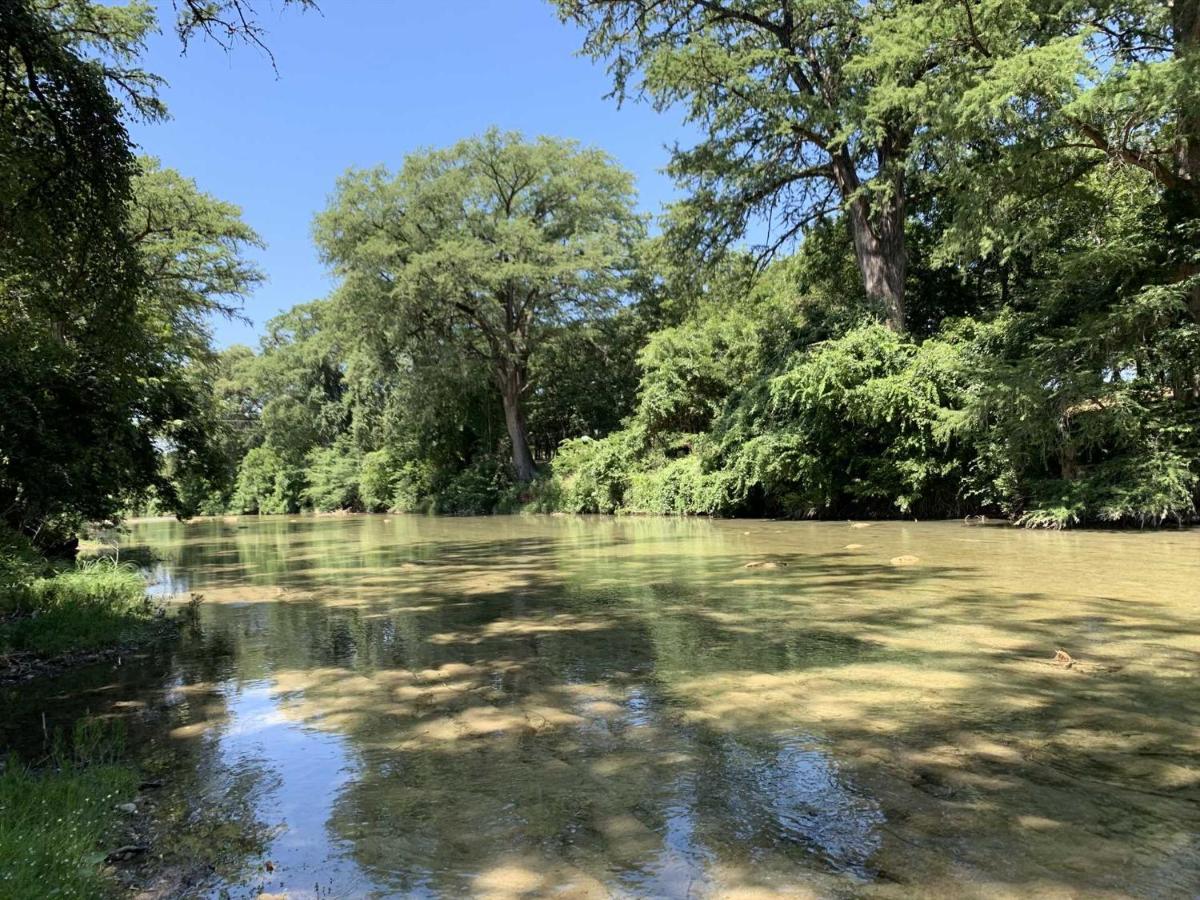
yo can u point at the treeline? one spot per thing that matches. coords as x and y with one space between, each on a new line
930 260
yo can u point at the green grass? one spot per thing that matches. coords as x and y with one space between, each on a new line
54 822
95 604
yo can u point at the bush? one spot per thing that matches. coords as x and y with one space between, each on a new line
20 564
683 486
593 476
333 477
377 481
268 484
476 490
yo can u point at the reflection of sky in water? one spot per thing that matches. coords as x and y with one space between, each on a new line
164 581
305 771
799 787
777 795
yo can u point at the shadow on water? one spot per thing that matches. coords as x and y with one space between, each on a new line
516 707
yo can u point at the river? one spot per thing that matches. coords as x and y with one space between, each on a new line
591 707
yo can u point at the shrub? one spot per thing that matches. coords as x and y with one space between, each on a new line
377 481
855 424
593 476
94 605
268 484
20 564
682 486
333 477
476 490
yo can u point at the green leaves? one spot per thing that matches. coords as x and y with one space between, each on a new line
485 247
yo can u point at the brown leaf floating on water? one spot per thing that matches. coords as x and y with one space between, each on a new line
1063 658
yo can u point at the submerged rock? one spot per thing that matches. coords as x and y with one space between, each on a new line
905 560
764 564
126 853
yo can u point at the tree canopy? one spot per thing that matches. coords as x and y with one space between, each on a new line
485 246
927 260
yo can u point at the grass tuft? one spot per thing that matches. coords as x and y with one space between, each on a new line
98 603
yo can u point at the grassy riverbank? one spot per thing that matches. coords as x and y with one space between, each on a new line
56 613
58 820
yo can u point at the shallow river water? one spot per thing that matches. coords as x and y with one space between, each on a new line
575 707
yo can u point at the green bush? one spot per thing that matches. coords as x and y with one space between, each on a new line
856 425
377 481
20 564
683 486
268 484
96 604
333 476
476 490
593 476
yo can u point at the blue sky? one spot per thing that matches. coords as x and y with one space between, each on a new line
365 82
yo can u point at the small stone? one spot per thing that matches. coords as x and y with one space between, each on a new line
853 547
129 808
905 560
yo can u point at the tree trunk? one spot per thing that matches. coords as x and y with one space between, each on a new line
512 384
1185 25
878 234
882 259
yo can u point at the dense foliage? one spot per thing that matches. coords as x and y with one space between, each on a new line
929 261
109 270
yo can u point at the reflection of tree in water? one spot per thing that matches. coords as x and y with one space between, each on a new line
565 703
549 737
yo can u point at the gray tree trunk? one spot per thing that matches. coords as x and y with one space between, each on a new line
878 233
511 388
882 257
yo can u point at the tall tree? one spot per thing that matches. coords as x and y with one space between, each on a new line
106 275
485 245
789 136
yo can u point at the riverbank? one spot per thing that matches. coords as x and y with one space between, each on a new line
84 819
52 617
57 818
94 611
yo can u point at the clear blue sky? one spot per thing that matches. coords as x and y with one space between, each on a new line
367 81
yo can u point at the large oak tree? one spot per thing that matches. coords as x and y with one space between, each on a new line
483 247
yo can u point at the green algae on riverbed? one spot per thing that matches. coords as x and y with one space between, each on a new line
532 705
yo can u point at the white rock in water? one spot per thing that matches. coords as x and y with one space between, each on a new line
127 808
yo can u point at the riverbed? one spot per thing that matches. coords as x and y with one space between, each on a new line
594 707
